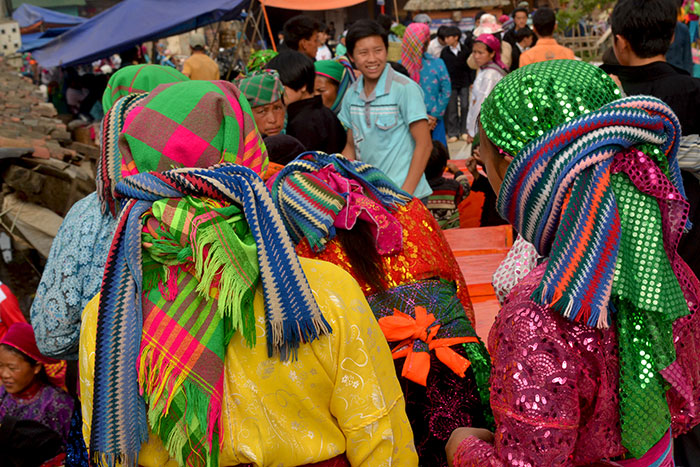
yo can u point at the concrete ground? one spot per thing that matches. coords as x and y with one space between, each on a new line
459 149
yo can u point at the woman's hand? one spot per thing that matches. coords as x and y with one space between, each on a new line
471 166
460 434
432 122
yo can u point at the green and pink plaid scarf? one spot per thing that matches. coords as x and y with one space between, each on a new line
182 271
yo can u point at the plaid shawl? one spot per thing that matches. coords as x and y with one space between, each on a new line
137 79
261 87
412 48
318 192
600 194
160 326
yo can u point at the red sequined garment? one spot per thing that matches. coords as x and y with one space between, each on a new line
554 387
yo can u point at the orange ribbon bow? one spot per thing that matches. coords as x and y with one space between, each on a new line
404 328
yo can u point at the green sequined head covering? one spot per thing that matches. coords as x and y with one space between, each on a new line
595 186
532 100
261 87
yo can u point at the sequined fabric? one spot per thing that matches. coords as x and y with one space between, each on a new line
554 387
425 255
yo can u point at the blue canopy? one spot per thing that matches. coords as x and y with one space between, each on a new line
27 15
38 39
130 23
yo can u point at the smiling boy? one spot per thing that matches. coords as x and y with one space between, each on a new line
385 114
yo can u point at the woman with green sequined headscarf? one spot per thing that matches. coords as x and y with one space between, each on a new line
595 351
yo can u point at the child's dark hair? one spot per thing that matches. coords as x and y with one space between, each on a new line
364 28
385 22
295 68
399 68
298 28
544 21
648 25
519 10
450 31
523 33
441 32
478 15
437 162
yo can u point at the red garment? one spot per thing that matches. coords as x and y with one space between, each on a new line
425 255
554 387
10 312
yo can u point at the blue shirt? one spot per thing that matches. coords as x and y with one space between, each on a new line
436 85
380 124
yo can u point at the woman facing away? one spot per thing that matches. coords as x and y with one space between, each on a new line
350 214
595 351
211 342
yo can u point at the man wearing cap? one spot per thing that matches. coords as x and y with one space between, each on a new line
199 65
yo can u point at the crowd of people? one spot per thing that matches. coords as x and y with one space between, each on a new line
261 277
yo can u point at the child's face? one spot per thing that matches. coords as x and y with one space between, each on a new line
527 42
369 56
451 41
481 54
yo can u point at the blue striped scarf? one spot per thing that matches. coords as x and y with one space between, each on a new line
293 316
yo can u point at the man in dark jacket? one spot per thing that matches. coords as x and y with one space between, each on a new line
455 55
642 32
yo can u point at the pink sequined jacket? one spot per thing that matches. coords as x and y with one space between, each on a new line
554 387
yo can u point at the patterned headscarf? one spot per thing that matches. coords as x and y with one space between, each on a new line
138 79
318 192
595 186
412 48
494 44
261 87
200 124
133 83
189 228
339 70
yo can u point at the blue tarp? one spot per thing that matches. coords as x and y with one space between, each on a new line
27 15
39 39
130 23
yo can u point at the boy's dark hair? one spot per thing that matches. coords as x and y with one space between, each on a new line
544 21
451 31
298 28
648 25
364 28
437 162
295 68
523 33
385 22
441 32
519 10
399 68
478 15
